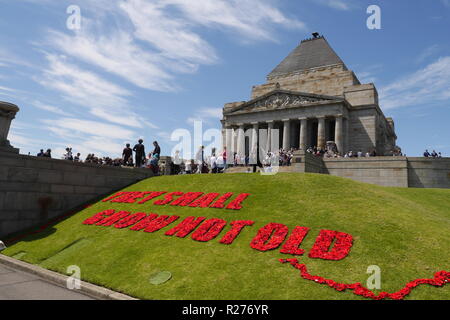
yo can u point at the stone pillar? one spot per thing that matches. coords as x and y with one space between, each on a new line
321 133
224 136
7 114
346 135
338 134
240 148
303 133
286 134
269 136
253 154
229 143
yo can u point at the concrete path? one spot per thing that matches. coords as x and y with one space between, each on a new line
20 285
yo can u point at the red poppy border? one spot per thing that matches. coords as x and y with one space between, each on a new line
440 279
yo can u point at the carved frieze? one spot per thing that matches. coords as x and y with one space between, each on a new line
279 100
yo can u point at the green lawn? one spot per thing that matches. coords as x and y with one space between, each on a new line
403 231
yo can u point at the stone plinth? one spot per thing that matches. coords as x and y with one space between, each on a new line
7 114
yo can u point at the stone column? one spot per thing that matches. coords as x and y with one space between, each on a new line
269 136
346 135
303 133
7 114
286 134
240 148
338 134
253 154
229 143
224 135
321 133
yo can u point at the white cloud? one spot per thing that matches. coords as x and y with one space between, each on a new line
336 4
82 86
90 127
150 41
8 58
7 89
102 98
169 25
29 144
426 86
205 115
427 53
367 74
50 108
115 53
145 43
8 92
172 36
87 136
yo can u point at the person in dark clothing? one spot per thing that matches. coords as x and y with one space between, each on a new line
48 153
157 149
126 154
139 150
156 154
41 153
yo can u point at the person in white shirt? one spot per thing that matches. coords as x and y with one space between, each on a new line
213 163
68 155
176 162
187 166
237 159
360 154
220 164
199 158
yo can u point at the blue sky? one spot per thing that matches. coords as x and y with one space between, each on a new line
140 68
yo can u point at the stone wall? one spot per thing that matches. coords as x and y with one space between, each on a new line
383 171
429 173
34 190
305 162
393 171
327 80
362 130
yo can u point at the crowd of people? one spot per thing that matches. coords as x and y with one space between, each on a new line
46 154
433 154
217 162
331 152
140 159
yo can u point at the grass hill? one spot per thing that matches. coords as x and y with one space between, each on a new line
403 231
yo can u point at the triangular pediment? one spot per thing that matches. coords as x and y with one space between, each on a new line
282 99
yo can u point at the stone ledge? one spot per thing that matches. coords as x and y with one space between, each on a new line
21 160
61 280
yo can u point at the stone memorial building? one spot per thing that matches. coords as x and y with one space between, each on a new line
312 98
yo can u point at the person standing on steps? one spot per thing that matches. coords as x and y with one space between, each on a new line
139 150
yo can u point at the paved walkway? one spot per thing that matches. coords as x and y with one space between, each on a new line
18 285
